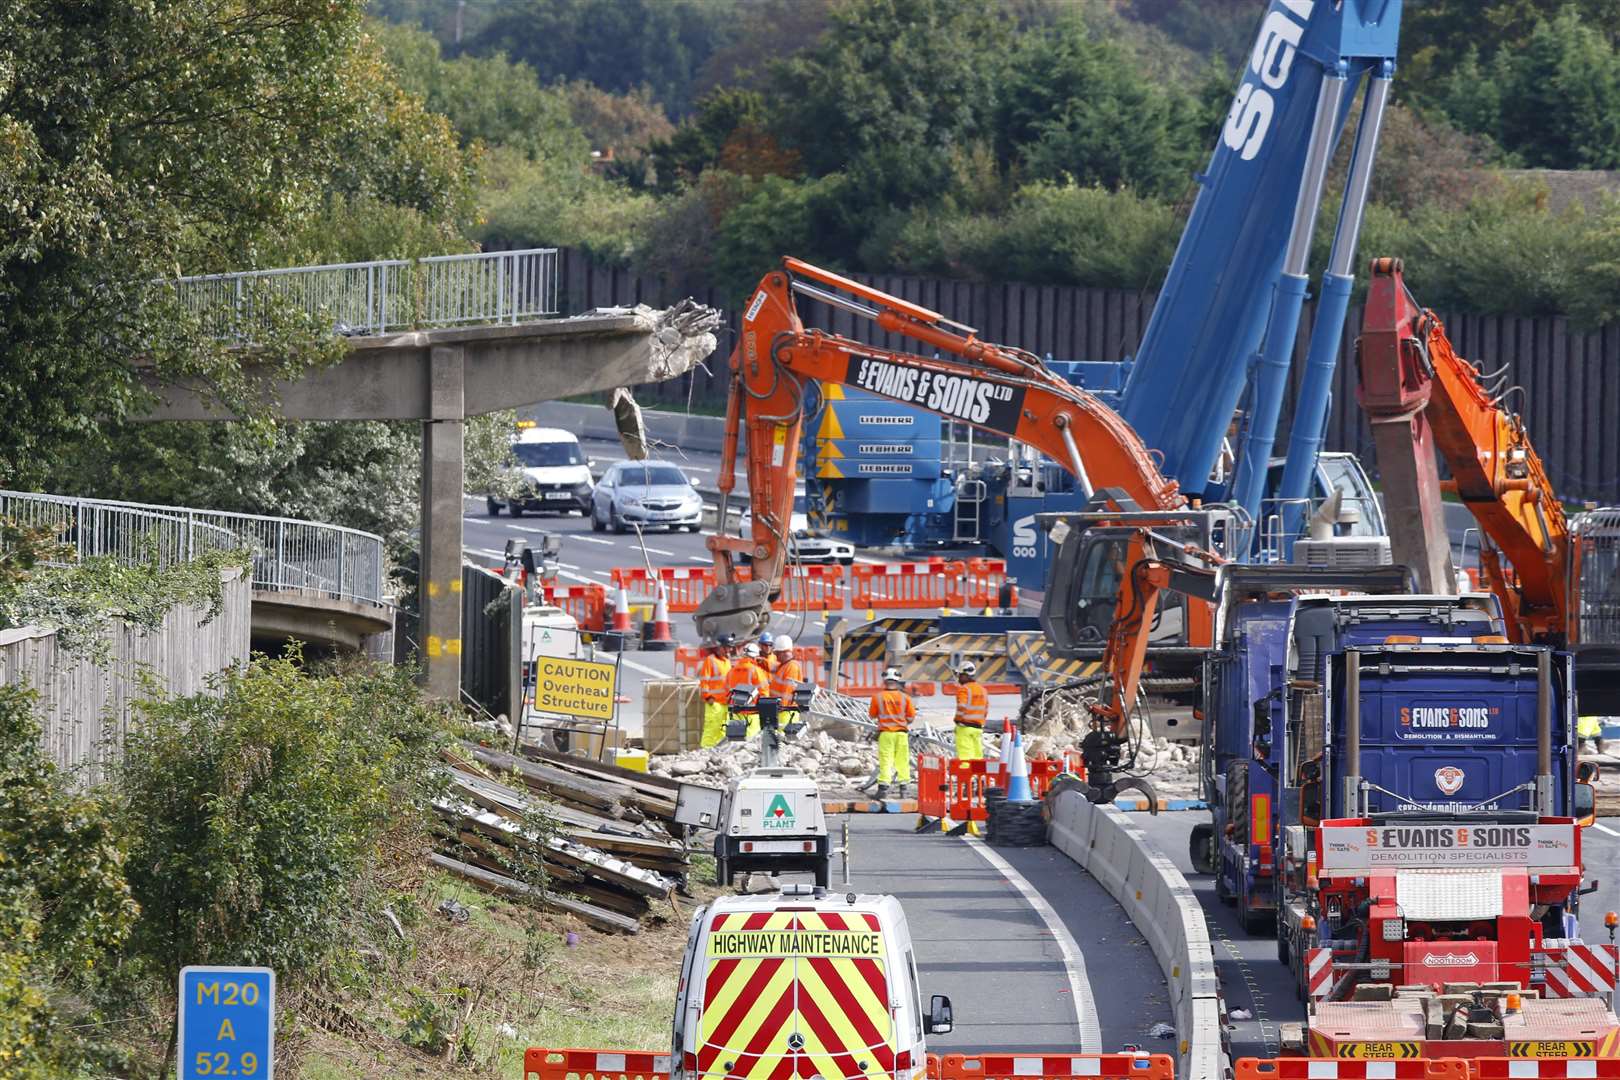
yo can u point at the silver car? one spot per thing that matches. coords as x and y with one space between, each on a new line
651 494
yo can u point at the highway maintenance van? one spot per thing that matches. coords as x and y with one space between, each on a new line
802 983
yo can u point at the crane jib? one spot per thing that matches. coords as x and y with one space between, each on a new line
985 403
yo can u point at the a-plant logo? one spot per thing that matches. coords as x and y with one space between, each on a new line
779 815
1449 779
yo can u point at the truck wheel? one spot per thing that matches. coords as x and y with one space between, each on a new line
1201 848
493 507
1221 892
1282 946
1252 921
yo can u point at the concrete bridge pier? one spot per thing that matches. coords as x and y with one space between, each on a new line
442 484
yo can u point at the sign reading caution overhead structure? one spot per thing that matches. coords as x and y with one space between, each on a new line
583 688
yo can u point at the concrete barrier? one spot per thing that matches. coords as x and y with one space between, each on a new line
1158 900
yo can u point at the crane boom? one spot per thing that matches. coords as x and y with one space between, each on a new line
1422 398
992 387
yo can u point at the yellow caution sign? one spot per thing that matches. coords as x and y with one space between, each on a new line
1550 1049
575 687
1380 1051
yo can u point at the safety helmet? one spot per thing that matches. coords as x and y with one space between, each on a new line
782 644
751 649
892 675
967 669
765 637
726 641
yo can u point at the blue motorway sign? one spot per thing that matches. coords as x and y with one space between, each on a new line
227 1022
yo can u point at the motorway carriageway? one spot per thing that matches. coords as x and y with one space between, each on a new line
978 938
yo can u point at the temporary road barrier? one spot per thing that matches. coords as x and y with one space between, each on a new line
586 603
985 577
686 586
860 678
542 1064
952 789
1303 1068
1603 1068
932 584
808 588
1056 1066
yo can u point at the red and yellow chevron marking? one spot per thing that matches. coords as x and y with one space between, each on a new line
790 995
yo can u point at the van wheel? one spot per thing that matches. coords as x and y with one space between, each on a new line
618 526
514 509
596 522
493 507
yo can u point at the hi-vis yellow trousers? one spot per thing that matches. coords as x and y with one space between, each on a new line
894 756
969 742
714 723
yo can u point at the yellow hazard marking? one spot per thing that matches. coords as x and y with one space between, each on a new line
827 449
452 646
828 471
1380 1051
434 646
433 588
455 586
1549 1049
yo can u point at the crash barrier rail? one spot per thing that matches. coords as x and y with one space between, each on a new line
1056 1066
586 603
954 789
1606 1068
1158 900
903 586
288 555
1303 1068
543 1064
365 298
689 660
985 577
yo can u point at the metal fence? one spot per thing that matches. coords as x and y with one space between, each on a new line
359 299
288 554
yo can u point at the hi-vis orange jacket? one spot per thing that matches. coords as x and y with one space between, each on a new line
785 679
745 671
972 705
893 710
712 677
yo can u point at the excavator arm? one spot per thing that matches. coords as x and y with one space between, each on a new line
994 388
1421 398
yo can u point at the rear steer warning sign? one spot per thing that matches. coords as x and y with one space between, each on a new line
574 687
1379 1051
855 944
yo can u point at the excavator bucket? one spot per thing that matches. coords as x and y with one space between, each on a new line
742 608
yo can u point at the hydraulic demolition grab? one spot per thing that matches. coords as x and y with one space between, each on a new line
1421 397
993 387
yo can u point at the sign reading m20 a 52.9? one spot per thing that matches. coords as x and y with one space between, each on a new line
980 402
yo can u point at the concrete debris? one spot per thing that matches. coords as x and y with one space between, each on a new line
683 335
1056 722
1161 1030
836 764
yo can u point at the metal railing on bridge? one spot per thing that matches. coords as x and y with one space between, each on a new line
359 299
288 555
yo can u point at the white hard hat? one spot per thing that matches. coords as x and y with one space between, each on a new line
892 675
783 643
967 667
751 649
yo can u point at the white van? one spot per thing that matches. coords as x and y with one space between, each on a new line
556 473
802 983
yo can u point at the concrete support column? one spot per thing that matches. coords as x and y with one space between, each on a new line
442 483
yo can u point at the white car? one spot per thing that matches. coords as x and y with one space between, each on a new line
805 547
556 474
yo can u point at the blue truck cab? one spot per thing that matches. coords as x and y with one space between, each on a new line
1412 709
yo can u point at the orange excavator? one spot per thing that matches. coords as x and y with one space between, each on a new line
994 388
1555 581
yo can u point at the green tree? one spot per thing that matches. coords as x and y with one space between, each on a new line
139 141
1073 105
618 45
699 143
1561 109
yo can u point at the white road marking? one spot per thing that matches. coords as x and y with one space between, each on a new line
701 558
1074 962
643 668
660 551
590 539
1604 828
491 552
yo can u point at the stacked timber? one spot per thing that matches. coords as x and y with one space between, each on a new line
609 844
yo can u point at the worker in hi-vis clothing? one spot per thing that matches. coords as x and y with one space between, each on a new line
1589 730
972 709
747 671
767 652
712 686
786 677
894 711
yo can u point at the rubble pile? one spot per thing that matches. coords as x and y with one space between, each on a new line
839 766
1056 722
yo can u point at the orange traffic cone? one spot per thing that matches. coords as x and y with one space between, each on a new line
659 637
621 612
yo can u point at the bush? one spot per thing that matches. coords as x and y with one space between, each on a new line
64 905
256 817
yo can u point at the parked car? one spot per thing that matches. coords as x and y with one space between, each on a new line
805 547
652 494
556 474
